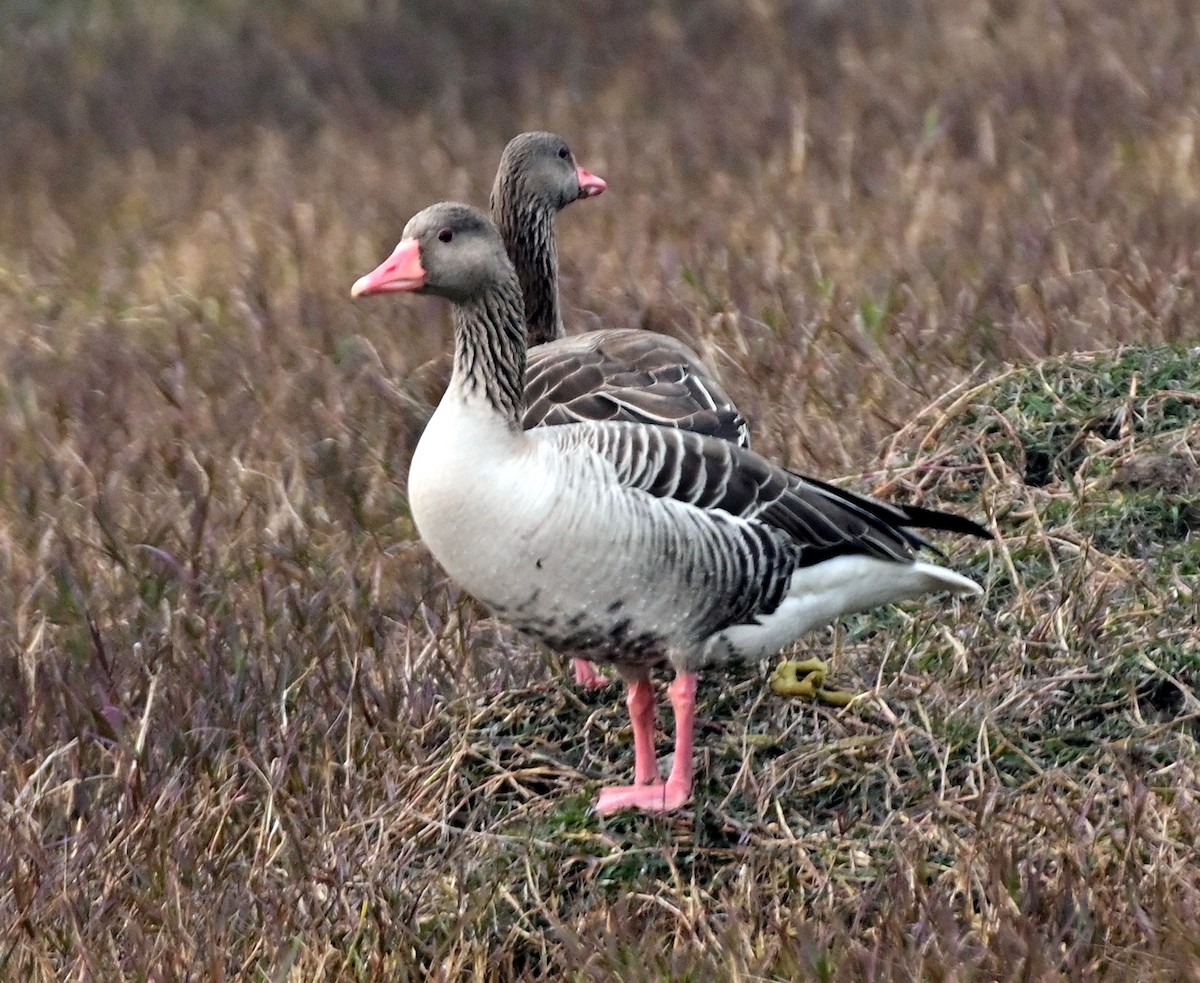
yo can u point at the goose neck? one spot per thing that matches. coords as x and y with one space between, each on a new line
489 351
528 233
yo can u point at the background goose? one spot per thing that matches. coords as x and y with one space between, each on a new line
638 545
609 374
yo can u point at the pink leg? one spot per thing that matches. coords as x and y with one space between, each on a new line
678 788
640 699
587 676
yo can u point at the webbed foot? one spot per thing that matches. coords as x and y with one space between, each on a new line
657 797
587 676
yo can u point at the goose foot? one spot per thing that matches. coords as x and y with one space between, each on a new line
658 797
587 676
806 681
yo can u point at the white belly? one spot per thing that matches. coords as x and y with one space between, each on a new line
473 502
542 537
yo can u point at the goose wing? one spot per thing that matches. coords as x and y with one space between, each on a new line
820 520
627 375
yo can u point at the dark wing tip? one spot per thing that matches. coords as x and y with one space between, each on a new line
945 521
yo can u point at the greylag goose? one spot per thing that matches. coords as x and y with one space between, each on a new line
639 546
609 374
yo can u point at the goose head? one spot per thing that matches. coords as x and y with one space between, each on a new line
540 169
449 250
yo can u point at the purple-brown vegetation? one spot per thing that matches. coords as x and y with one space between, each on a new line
247 731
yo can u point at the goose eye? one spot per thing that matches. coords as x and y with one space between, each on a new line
564 153
445 235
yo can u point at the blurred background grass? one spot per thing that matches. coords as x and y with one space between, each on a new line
230 681
908 188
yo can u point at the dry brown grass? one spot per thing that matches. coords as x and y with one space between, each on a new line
247 731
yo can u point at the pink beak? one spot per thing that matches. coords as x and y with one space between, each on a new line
589 184
400 271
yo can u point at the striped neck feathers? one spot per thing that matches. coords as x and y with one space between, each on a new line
527 229
489 350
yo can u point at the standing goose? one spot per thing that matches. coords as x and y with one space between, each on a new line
609 374
638 545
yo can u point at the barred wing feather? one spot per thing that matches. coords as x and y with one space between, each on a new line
821 521
627 375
